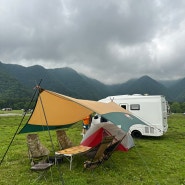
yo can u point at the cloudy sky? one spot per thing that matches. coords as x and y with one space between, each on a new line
109 40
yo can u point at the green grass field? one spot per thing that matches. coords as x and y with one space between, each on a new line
152 161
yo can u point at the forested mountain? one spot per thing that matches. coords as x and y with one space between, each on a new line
177 91
144 85
11 90
17 85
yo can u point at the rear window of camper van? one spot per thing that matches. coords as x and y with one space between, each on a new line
135 107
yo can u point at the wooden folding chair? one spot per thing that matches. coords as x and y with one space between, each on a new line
96 156
110 149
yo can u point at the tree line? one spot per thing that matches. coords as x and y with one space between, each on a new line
177 107
16 104
20 103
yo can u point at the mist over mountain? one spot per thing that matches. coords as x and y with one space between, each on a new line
17 82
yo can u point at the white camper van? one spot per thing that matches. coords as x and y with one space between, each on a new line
150 109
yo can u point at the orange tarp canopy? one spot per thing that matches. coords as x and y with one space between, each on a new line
54 110
58 109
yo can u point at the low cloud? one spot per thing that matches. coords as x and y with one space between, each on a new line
109 40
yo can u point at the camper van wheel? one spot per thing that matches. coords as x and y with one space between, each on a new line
136 134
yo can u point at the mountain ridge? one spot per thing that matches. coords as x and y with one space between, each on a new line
21 80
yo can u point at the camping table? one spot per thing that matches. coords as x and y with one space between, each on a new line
69 153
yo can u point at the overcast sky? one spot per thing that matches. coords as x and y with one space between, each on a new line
109 40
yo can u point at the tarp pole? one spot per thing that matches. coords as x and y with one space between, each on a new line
60 174
20 123
46 122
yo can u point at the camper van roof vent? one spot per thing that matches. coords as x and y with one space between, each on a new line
112 98
137 94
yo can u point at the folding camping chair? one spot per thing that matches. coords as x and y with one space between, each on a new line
63 140
41 169
36 151
110 149
38 154
96 155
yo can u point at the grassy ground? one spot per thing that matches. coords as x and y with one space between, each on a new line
152 161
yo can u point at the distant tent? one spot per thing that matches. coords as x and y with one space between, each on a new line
97 131
54 110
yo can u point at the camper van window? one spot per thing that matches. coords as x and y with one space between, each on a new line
96 116
134 107
103 120
124 106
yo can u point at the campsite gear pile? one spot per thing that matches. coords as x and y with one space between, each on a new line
55 111
105 138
